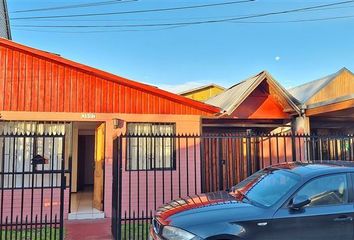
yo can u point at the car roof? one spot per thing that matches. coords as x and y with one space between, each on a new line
316 168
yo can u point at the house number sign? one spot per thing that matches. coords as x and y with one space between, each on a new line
88 116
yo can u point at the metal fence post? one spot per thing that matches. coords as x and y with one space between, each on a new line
220 164
293 147
62 192
202 164
119 185
248 152
114 187
256 153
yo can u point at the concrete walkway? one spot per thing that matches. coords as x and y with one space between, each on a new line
88 229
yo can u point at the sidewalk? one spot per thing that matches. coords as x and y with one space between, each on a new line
88 229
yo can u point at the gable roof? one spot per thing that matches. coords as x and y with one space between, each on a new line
232 98
201 88
112 79
304 92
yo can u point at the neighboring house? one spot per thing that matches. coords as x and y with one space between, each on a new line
203 93
43 93
259 103
327 104
4 21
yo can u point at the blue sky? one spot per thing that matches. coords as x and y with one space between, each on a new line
179 58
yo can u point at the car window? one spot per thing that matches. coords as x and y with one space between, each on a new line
328 190
268 186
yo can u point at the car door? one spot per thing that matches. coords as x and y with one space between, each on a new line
329 215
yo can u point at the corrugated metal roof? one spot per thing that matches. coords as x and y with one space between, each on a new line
4 21
232 96
306 91
235 95
34 80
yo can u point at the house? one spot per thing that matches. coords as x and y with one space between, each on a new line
59 120
258 103
4 21
203 93
327 104
61 109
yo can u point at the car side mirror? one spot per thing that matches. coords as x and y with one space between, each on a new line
299 202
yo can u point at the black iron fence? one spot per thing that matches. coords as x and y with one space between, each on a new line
151 170
228 159
32 185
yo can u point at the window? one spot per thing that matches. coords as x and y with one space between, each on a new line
326 190
20 142
151 146
266 187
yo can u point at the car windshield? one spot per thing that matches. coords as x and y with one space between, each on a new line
266 187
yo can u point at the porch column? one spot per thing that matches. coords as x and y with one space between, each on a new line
301 125
74 149
108 169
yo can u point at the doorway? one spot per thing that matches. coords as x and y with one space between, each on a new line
86 150
87 200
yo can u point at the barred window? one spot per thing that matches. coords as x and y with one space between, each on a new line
20 142
151 146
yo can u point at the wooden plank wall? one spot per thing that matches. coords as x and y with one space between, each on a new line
343 85
29 82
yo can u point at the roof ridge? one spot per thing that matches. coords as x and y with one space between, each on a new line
110 77
244 80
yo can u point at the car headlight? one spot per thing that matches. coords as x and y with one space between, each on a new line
173 233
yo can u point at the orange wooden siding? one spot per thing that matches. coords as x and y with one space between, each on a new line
32 80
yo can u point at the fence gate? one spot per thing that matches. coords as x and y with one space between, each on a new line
32 184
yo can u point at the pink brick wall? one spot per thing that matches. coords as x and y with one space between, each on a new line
13 206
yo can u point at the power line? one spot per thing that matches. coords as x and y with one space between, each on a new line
75 6
135 11
98 31
166 19
187 23
297 20
339 7
173 27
